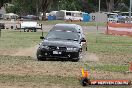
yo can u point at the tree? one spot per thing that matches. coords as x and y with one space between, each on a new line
89 5
112 5
44 5
3 1
23 7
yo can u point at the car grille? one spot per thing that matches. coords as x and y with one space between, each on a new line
52 47
57 48
62 48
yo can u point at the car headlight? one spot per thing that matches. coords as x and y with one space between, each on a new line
72 49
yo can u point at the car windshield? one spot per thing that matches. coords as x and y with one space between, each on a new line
64 28
64 35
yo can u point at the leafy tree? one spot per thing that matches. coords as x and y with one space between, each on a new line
3 1
44 5
23 7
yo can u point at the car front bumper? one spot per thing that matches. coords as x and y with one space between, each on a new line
58 54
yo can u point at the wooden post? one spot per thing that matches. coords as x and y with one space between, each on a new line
42 30
107 28
0 32
130 67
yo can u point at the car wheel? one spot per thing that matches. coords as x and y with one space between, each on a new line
75 59
78 58
24 30
86 49
40 58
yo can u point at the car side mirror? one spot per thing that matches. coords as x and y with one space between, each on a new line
41 37
83 40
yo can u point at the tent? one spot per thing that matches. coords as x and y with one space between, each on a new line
10 16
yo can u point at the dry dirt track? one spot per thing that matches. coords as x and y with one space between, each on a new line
32 53
55 68
34 67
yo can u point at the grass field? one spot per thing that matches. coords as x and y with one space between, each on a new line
113 52
53 22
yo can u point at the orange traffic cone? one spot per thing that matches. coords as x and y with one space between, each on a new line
85 74
85 78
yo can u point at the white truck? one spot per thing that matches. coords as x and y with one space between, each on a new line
30 26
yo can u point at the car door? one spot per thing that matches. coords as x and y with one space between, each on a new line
83 41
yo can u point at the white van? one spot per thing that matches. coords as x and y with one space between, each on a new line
112 17
69 15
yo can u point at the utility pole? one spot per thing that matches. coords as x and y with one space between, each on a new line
130 11
99 5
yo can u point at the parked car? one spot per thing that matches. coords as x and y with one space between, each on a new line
61 43
29 17
2 26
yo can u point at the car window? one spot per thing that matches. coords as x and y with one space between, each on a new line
64 35
66 28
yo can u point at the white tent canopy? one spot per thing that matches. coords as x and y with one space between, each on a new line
10 16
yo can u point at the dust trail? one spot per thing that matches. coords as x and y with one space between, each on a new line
90 57
26 52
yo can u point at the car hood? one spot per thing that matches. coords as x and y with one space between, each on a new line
63 43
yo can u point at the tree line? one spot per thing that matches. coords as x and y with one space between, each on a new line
23 7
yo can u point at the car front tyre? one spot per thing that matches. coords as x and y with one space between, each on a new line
75 59
41 58
78 58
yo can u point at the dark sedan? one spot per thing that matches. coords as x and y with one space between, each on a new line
62 44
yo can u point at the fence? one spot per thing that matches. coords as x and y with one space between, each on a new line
119 29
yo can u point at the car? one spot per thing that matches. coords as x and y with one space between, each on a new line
29 17
64 44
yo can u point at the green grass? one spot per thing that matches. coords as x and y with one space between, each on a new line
110 68
16 39
114 49
97 43
53 22
40 79
109 44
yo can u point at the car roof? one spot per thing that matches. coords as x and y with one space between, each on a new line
68 27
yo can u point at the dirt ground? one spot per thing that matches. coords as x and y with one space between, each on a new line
56 69
29 68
